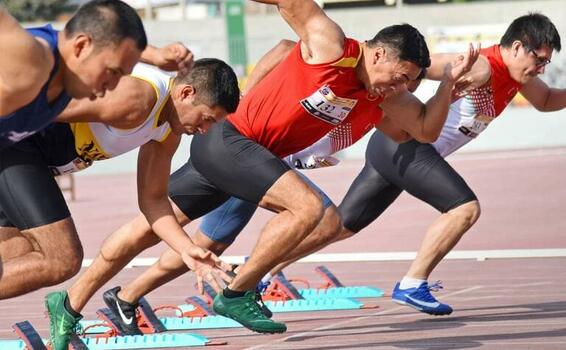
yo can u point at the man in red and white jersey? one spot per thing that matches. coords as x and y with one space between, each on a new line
420 169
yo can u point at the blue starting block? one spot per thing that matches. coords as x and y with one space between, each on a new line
332 288
31 340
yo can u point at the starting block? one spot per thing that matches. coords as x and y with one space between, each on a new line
200 316
31 340
287 299
332 287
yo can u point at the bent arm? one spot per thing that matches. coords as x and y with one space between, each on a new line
154 165
269 61
116 107
478 75
543 97
423 122
322 40
25 65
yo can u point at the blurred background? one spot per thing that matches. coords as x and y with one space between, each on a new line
241 31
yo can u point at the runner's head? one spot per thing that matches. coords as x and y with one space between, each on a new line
527 46
394 57
204 96
100 43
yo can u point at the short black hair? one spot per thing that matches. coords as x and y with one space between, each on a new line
108 22
406 40
215 82
534 30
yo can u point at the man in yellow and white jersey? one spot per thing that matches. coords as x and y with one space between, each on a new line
151 109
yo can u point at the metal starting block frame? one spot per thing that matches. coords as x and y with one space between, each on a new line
31 340
332 288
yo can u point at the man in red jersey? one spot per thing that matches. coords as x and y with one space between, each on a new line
327 80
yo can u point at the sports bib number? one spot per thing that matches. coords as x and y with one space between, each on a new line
75 165
475 126
325 105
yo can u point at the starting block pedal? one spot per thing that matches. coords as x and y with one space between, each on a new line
29 336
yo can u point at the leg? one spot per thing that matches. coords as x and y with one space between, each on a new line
442 236
368 197
56 256
116 252
421 171
13 244
47 250
300 211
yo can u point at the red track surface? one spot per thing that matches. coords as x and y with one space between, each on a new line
499 304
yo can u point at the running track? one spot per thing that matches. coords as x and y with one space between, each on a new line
500 303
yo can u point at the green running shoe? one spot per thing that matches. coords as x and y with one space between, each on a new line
246 311
61 323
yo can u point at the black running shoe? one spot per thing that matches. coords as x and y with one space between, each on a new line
124 312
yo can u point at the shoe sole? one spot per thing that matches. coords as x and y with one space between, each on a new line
421 310
50 342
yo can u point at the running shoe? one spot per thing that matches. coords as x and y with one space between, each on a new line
62 324
124 312
421 299
246 311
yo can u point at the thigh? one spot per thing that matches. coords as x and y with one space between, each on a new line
225 223
326 201
235 164
29 195
192 193
367 198
420 170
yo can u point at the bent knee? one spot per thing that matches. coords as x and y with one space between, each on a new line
311 210
468 212
65 265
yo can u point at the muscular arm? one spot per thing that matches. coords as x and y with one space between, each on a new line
543 97
478 75
132 100
154 166
266 64
322 40
424 122
25 64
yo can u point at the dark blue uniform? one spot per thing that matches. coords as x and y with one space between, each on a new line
39 113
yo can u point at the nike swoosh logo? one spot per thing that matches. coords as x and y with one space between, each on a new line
126 320
423 303
62 326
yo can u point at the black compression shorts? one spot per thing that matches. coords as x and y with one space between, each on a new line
29 195
391 168
223 163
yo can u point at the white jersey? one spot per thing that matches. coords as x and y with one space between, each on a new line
98 141
463 124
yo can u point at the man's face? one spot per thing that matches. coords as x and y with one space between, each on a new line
193 117
93 70
387 75
527 63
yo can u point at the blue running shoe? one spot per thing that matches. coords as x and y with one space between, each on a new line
421 299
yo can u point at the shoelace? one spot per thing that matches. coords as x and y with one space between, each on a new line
253 306
423 292
436 286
